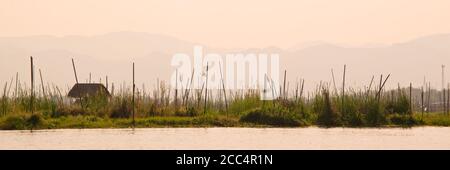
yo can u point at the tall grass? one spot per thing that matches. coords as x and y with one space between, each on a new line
357 108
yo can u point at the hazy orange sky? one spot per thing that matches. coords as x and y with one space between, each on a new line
233 23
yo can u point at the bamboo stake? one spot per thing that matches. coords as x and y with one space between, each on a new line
272 86
287 92
206 89
42 84
32 86
60 95
32 89
199 95
17 80
188 89
382 86
343 90
296 92
176 89
10 85
301 91
444 100
334 82
379 86
224 90
448 98
429 98
76 79
284 85
184 91
132 100
112 89
4 99
370 86
410 99
265 90
421 97
443 87
75 71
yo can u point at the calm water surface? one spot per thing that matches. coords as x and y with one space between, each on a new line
230 138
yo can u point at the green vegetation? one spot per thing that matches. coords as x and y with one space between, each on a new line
324 108
21 122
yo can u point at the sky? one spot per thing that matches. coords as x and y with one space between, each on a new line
232 23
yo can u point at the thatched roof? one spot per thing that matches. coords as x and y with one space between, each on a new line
88 89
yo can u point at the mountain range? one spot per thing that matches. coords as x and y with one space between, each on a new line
112 55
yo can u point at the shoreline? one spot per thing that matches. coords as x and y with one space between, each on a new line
21 122
213 127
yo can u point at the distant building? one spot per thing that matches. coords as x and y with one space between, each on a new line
81 90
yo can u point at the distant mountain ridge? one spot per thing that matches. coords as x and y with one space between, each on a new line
112 54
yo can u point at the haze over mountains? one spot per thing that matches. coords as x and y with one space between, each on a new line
112 54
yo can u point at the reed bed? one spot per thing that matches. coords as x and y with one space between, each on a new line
327 106
161 108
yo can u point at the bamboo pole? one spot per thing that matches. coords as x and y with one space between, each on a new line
287 92
334 82
370 86
188 90
444 99
421 97
3 112
10 85
301 95
17 80
184 91
448 98
410 98
76 79
206 89
199 95
296 92
60 95
443 87
224 90
343 89
32 90
176 89
132 100
272 84
112 89
284 85
265 90
75 71
382 86
429 98
42 85
32 86
301 90
379 86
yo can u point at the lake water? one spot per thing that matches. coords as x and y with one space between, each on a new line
230 138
